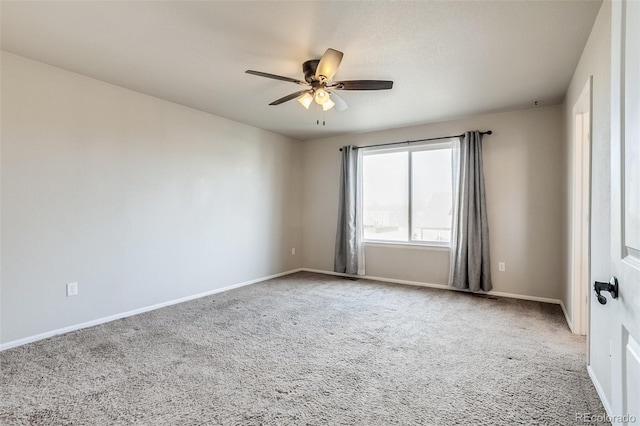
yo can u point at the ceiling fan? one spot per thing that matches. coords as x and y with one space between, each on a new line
318 76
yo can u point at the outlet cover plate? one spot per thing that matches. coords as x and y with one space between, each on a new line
72 289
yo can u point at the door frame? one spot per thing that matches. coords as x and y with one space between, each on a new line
581 212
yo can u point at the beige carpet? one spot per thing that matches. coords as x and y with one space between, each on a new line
309 349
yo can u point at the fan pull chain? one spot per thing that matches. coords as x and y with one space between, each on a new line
323 117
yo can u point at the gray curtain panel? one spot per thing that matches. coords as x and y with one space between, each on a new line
349 254
470 264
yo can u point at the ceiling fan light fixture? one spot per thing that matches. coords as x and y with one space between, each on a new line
320 86
321 96
305 100
328 105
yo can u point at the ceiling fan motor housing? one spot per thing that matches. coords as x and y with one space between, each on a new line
309 69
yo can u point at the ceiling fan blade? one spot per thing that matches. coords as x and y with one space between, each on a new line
275 77
341 105
290 97
362 85
329 64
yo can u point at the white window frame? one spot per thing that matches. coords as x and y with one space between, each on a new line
409 149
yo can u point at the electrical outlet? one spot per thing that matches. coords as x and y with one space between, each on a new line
502 266
72 289
293 251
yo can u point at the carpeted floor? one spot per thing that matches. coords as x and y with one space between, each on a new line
309 349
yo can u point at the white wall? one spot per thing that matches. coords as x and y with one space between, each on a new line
139 200
523 163
595 61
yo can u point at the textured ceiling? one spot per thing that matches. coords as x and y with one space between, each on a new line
447 58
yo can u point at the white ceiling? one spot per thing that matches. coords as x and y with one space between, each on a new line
447 58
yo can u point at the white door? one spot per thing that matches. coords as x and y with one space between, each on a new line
624 312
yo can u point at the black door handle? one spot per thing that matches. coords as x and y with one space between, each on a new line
611 287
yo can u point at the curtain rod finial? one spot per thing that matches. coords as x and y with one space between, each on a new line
489 132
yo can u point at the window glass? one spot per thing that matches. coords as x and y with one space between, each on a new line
431 195
386 196
416 179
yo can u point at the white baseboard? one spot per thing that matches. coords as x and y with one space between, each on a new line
566 316
440 286
47 334
369 277
601 394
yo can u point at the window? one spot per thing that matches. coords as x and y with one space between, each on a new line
407 194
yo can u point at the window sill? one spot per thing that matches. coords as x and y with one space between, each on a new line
400 244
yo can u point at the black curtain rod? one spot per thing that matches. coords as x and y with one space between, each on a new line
488 132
